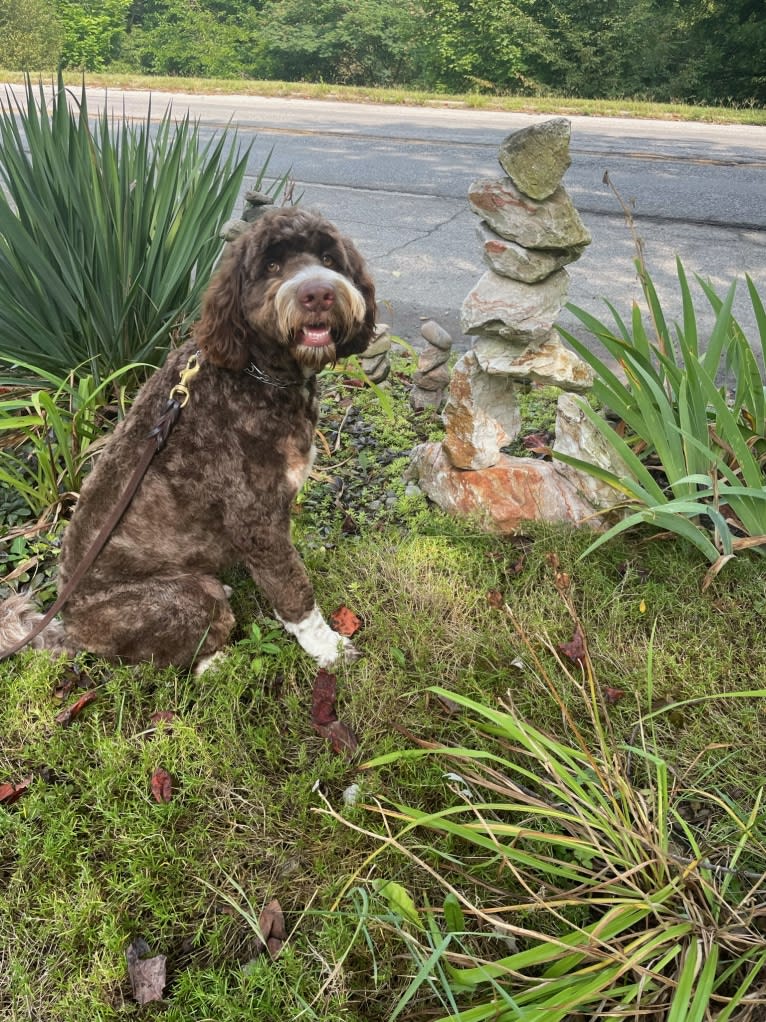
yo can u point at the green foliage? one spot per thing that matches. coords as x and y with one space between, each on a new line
483 45
349 41
175 37
261 642
48 435
694 460
30 35
92 31
107 235
611 899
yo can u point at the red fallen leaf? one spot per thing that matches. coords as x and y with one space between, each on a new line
575 648
324 718
349 381
162 785
345 622
613 695
162 717
271 923
340 736
147 975
323 698
10 792
537 444
495 599
68 715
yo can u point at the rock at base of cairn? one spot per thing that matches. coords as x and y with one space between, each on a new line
432 376
375 359
501 498
480 417
577 437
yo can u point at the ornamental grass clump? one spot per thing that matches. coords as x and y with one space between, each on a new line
108 231
576 878
693 448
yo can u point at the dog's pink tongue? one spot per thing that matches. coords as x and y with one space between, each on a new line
316 337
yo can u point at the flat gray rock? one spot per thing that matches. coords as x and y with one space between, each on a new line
553 223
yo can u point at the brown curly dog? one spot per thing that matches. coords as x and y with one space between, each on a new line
291 295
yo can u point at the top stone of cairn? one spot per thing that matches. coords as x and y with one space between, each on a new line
536 158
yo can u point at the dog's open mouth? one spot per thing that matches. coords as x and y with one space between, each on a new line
315 336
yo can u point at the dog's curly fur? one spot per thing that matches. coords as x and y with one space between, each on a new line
290 296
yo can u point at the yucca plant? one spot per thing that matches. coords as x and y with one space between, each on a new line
108 230
694 453
607 901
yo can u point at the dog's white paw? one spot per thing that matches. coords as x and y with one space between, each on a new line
320 641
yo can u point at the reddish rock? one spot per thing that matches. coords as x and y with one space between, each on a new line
504 496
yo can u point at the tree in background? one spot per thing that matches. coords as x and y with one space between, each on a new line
726 57
30 39
356 42
479 45
92 31
210 39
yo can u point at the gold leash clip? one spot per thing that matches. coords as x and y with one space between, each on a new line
180 392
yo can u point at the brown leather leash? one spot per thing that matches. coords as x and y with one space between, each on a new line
155 441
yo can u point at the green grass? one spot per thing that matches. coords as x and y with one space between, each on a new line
624 107
88 860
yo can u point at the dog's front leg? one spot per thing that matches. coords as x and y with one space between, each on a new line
319 640
281 576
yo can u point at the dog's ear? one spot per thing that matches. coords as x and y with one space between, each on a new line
356 344
222 330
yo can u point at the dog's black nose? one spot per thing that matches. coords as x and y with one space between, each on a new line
316 295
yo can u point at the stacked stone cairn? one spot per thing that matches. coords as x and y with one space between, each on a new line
376 357
529 232
432 377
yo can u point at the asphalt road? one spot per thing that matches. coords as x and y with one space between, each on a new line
395 178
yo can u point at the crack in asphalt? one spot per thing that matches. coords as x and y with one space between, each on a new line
429 233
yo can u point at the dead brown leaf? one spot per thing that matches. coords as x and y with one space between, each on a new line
537 443
323 698
613 695
162 785
324 717
340 736
67 715
147 975
345 622
575 648
10 792
271 923
495 599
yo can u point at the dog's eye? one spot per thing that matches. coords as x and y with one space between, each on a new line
327 260
272 267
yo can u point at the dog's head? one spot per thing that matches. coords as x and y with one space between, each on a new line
291 280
